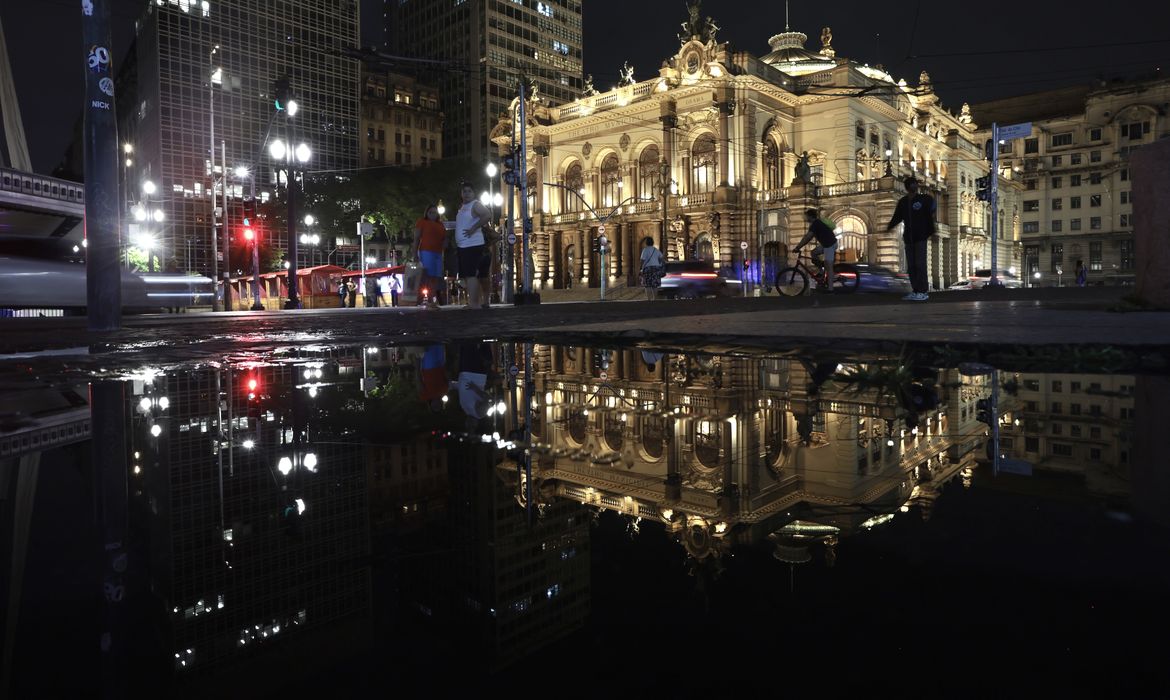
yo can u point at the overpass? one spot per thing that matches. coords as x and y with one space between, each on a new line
31 205
40 206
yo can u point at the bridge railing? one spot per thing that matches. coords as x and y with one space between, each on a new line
41 186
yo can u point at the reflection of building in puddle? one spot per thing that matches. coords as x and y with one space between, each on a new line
256 512
726 450
493 584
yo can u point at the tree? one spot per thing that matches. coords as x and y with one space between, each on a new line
392 197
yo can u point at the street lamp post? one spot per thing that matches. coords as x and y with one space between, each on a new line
889 167
311 239
241 173
300 154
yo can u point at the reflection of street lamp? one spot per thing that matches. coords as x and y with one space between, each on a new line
889 167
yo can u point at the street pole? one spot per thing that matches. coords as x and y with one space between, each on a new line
103 273
227 236
510 254
294 301
216 304
994 199
522 169
256 305
364 228
665 172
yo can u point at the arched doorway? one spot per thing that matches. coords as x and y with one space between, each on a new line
851 238
703 248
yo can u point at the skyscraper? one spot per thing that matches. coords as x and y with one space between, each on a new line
493 43
206 77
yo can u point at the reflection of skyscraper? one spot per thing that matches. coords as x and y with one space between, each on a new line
258 530
502 586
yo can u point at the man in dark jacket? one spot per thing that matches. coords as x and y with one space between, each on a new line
916 212
822 230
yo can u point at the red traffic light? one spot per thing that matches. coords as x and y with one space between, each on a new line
249 234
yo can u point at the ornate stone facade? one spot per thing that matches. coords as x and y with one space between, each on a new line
706 155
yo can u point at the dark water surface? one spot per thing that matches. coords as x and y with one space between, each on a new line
572 521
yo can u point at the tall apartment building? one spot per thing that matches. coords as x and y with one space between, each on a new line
169 131
1077 202
493 42
401 121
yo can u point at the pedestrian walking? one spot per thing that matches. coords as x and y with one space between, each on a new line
653 267
469 238
1082 274
371 290
394 283
384 289
342 292
915 212
430 240
351 288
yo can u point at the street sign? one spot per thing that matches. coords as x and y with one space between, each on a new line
743 245
601 230
513 370
1015 131
604 376
511 239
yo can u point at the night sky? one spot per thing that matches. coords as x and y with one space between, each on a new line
1027 47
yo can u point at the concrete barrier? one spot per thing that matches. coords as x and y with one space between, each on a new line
1150 173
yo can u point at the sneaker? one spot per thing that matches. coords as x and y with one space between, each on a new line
912 296
921 296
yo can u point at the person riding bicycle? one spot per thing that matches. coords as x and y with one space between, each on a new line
822 230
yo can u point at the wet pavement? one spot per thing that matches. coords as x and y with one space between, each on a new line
1069 316
300 513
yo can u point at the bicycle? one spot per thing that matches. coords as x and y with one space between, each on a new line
793 280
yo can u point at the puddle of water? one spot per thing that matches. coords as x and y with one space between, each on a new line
504 506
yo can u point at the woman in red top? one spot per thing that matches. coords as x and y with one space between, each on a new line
430 240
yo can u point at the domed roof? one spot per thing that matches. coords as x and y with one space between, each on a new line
789 55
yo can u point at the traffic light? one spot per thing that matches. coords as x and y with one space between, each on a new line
983 411
509 163
249 213
249 234
983 188
280 93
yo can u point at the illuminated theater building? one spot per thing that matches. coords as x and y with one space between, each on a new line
730 148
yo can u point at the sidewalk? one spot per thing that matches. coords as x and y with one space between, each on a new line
1069 316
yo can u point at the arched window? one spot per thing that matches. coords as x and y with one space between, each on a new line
574 181
773 177
611 181
648 173
703 164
